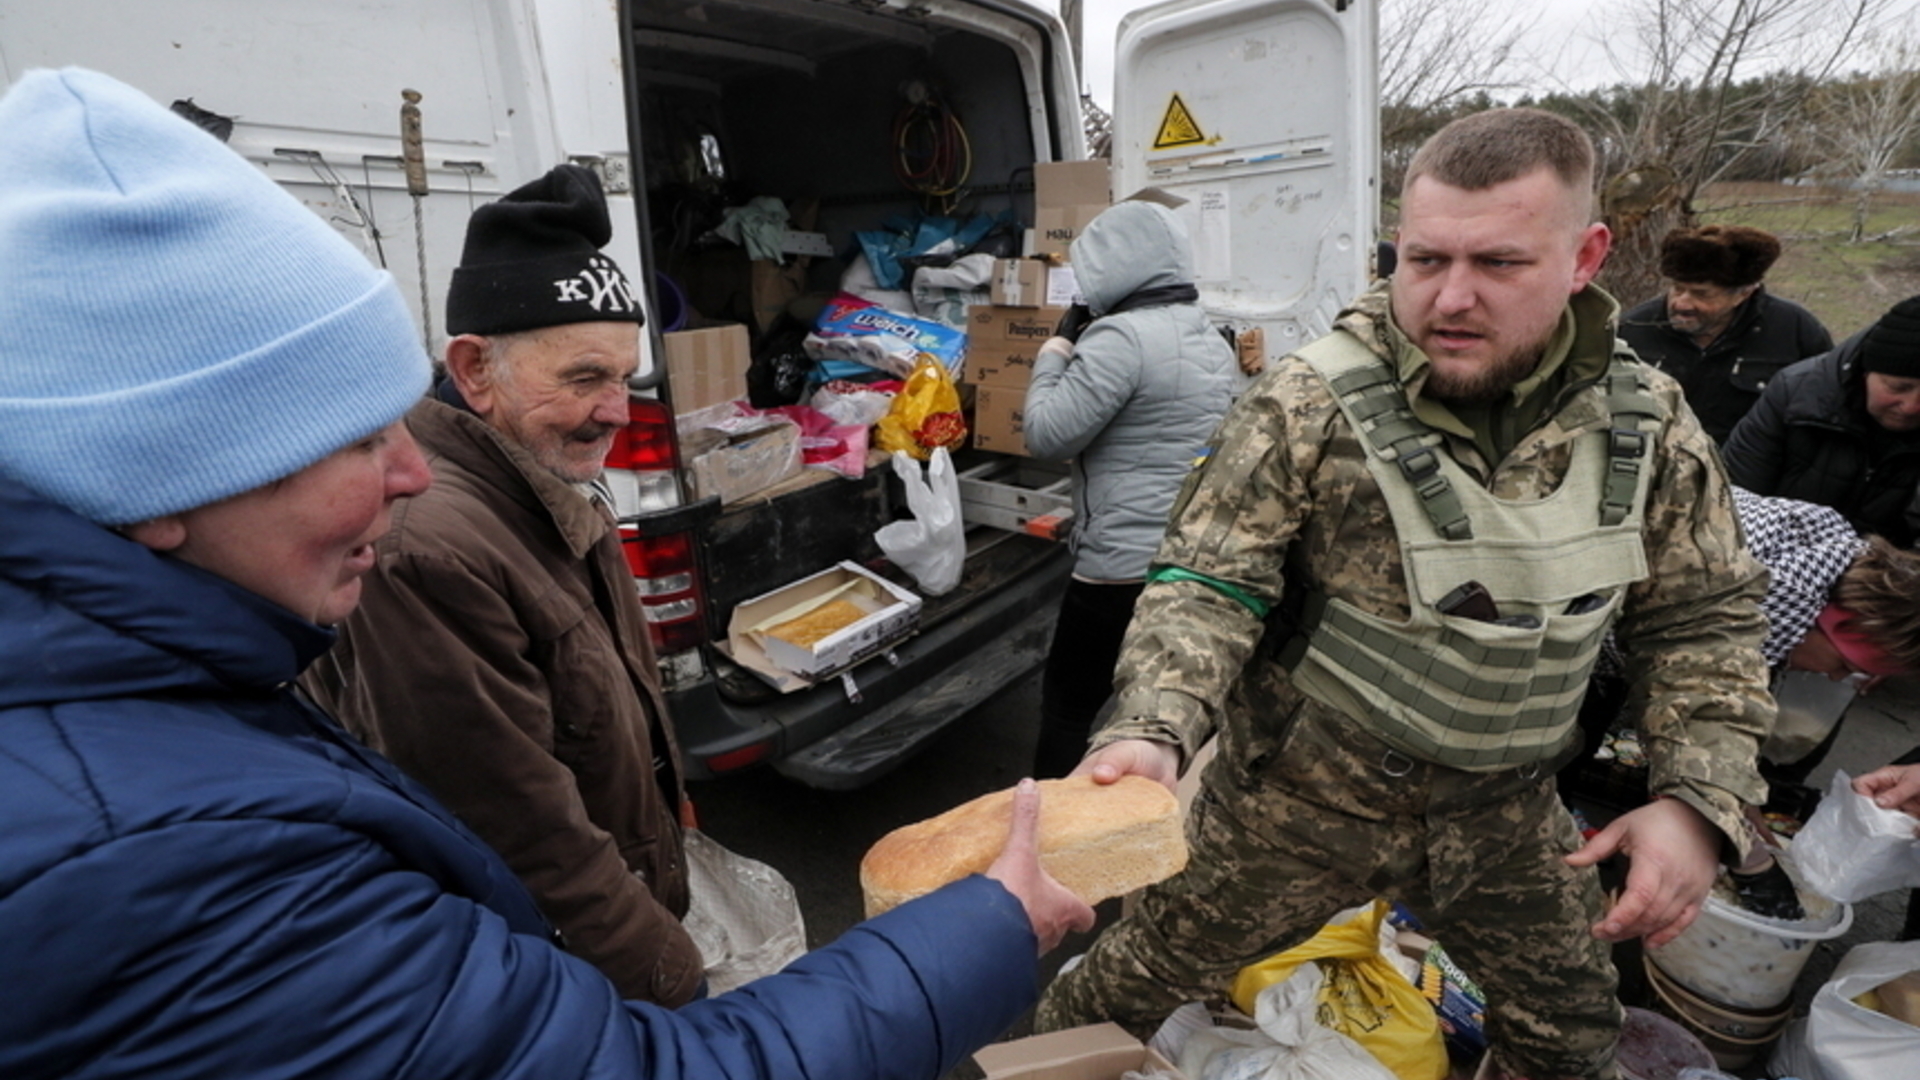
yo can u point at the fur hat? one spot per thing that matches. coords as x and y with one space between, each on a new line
533 259
1892 345
1731 256
175 329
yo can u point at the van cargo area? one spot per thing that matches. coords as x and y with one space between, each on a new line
827 107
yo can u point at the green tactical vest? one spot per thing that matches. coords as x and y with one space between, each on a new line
1455 690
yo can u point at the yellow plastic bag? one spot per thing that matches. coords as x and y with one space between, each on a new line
1363 996
925 413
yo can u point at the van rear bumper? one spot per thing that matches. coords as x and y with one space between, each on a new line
821 738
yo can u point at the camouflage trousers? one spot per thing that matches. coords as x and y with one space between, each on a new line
1327 818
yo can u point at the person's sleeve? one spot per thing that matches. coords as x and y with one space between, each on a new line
1219 569
1070 401
1814 336
262 948
1756 449
467 715
1691 634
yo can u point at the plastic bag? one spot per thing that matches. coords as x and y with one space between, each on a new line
1363 994
1851 1041
925 414
933 546
743 914
850 328
1852 849
1291 1044
855 403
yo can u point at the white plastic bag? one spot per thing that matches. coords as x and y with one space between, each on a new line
1290 1045
743 914
1852 849
933 545
1852 1042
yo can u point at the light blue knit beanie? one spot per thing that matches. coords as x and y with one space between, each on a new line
174 328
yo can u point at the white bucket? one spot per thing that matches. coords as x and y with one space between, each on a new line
1734 957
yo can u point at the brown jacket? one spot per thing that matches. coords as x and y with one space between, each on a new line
499 655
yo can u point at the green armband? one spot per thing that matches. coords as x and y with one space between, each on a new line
1231 592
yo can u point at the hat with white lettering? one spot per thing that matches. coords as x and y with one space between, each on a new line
175 329
533 259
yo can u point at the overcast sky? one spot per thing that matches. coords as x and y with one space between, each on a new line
1565 39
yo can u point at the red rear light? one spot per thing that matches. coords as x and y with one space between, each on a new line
647 442
667 576
738 759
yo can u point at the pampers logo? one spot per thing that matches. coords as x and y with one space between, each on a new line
1018 330
601 286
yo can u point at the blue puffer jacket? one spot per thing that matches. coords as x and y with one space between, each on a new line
202 876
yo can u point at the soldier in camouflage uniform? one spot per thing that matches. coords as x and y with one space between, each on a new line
1330 788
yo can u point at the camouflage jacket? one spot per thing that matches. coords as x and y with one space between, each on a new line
1286 490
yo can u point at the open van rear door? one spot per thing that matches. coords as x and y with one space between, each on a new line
1264 116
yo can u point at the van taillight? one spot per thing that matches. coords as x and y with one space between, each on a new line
640 469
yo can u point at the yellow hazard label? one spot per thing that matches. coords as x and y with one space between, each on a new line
1178 127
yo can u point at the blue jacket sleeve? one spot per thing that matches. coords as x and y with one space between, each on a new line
258 948
1069 402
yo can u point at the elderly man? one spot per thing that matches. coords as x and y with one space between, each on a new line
1384 589
500 655
1717 330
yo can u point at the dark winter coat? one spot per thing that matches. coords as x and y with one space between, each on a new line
500 657
1810 438
1723 380
202 876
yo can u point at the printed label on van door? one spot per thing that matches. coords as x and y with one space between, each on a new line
1178 127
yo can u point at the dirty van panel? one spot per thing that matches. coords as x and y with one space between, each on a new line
757 548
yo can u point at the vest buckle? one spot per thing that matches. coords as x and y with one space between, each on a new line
1395 764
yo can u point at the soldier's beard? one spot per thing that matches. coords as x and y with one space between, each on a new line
1485 383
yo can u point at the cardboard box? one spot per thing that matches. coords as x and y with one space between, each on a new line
1001 365
1067 196
1033 283
706 367
892 613
1094 1052
993 326
738 465
999 418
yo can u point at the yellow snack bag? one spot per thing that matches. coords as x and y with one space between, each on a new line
925 413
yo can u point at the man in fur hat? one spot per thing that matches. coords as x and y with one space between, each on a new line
1717 330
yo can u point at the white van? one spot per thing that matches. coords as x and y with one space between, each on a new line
1262 114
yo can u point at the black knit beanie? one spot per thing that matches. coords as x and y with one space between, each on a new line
533 259
1892 345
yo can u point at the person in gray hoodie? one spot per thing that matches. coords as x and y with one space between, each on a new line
1131 398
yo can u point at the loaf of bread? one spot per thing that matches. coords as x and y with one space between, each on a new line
816 625
1099 840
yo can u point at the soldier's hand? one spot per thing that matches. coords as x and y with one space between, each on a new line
1673 859
1892 787
1051 907
1156 761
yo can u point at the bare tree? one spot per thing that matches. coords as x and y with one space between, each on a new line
1864 123
1709 84
1437 57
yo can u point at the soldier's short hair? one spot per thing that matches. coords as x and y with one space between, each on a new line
1881 590
1486 148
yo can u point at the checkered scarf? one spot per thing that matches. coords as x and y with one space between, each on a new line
1807 547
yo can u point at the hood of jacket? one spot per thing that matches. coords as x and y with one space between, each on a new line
88 614
1131 246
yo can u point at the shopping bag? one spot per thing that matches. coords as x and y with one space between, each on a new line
932 546
1851 1041
1852 849
743 914
1290 1043
925 413
1362 995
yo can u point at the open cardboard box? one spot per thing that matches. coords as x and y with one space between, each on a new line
1094 1052
891 614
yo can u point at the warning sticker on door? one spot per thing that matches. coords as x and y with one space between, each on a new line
1178 127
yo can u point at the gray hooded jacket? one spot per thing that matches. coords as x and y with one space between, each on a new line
1140 396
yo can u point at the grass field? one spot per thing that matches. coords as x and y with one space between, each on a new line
1847 285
